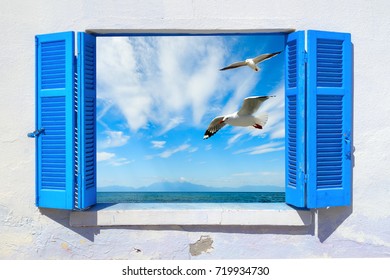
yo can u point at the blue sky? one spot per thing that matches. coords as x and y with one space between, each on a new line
157 95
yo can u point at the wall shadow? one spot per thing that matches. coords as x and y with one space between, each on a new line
236 229
330 219
62 217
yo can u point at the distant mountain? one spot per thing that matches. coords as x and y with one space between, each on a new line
188 187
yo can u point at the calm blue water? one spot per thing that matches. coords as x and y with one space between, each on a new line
190 197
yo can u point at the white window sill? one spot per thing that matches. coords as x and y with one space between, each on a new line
126 214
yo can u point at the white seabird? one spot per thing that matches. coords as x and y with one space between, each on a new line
251 62
243 117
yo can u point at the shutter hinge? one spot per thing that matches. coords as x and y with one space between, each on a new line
303 178
305 56
349 149
35 133
75 65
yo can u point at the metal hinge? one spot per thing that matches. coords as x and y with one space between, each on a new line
349 149
35 133
303 179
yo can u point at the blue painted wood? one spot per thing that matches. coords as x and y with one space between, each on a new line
295 118
55 113
329 119
86 132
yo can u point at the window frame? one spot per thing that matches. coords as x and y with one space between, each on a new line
80 189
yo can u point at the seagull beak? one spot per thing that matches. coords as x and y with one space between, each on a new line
221 121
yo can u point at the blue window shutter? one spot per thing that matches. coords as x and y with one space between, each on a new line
295 118
329 119
86 127
55 115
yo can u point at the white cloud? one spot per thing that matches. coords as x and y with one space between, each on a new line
158 144
157 79
170 152
262 149
120 161
255 174
278 131
246 83
114 139
193 149
165 82
104 106
172 123
234 139
243 174
269 173
103 156
111 159
208 147
118 80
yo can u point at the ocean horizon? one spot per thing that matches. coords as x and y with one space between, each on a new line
185 186
190 197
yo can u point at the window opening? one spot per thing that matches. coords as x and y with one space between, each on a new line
156 97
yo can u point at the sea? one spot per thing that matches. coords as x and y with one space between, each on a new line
190 197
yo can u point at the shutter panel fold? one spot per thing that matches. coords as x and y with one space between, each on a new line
295 118
329 121
55 117
86 130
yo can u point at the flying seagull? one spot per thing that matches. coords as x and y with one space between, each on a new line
251 62
243 117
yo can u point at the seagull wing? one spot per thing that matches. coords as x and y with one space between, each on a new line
214 126
263 57
234 65
251 105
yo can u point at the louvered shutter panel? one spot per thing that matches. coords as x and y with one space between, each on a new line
295 118
86 128
55 114
329 119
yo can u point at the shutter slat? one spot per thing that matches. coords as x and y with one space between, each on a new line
295 121
87 120
329 122
55 114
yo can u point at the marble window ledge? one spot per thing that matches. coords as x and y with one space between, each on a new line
128 214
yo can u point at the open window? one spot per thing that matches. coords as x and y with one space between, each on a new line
157 95
318 120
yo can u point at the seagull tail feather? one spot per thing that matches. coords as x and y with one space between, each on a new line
262 119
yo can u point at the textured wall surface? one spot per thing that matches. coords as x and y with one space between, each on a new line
359 231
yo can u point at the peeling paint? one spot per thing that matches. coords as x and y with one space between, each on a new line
65 246
203 245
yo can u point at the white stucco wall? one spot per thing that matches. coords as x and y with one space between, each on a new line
359 231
